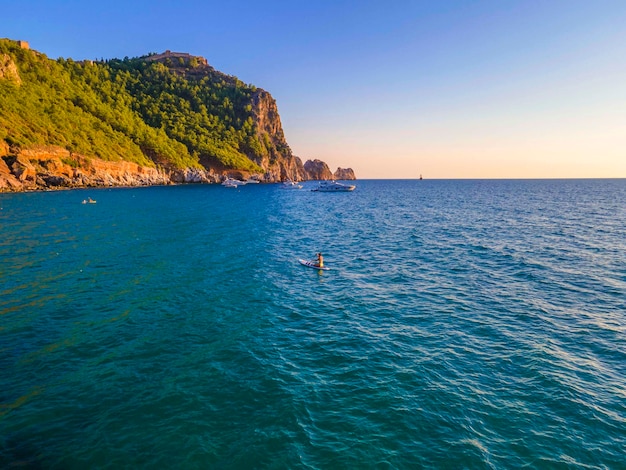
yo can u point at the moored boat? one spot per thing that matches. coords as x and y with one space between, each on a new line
333 187
232 183
291 185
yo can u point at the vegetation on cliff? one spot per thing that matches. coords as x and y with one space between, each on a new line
172 112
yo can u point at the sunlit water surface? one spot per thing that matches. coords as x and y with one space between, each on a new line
464 324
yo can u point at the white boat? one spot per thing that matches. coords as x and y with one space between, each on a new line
333 187
252 181
232 183
291 185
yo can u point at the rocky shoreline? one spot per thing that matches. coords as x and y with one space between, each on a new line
53 168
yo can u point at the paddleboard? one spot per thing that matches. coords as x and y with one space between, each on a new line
311 264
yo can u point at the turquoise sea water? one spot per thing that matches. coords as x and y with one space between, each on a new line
464 324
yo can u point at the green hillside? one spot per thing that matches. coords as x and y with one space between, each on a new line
173 113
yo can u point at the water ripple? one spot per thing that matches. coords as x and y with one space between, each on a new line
465 324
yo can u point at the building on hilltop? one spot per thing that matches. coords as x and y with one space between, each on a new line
175 55
23 44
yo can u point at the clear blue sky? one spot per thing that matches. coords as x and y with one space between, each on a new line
393 89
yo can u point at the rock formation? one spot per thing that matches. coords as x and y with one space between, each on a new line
279 163
8 181
8 69
344 174
56 168
318 170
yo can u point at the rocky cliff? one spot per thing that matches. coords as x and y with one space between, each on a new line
161 119
8 69
55 168
318 170
279 162
344 174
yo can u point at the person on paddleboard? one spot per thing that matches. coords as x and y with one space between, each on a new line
320 261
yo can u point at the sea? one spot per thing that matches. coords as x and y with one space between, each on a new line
464 324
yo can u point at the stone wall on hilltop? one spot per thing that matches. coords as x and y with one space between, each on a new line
175 55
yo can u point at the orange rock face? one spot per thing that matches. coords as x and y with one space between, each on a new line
56 168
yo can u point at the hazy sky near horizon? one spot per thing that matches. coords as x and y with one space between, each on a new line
392 89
